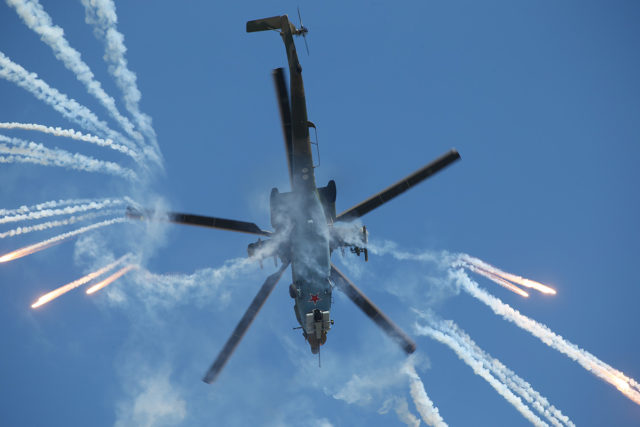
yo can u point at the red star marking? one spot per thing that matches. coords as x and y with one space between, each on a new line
314 299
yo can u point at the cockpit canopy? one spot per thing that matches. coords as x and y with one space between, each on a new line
317 324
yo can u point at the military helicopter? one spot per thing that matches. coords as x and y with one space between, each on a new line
304 221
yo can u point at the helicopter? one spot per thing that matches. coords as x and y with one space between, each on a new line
306 228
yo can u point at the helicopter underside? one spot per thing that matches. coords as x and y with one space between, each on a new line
304 214
303 220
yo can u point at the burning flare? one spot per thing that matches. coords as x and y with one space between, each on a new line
28 250
79 282
499 280
503 278
115 276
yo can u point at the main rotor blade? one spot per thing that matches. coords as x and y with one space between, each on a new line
203 221
243 325
285 116
399 187
370 309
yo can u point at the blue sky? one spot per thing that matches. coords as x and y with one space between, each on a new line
541 99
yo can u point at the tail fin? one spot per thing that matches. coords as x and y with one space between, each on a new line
264 24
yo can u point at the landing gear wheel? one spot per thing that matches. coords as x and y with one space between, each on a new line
293 292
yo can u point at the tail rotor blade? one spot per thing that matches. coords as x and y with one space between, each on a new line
370 309
399 187
303 31
243 325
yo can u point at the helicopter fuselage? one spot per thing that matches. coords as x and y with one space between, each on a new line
302 212
303 220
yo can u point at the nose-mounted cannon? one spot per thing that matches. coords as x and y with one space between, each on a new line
317 324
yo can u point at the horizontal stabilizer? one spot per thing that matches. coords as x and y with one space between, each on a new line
264 24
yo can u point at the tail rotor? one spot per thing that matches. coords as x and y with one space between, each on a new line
302 30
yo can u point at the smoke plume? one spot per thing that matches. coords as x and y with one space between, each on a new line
68 108
38 20
22 151
101 14
74 134
424 405
50 209
460 342
53 224
627 386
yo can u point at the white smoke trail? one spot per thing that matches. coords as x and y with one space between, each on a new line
163 289
30 152
78 162
24 159
28 250
483 372
69 108
24 150
429 413
101 14
24 213
46 205
38 20
497 368
57 223
627 386
73 134
403 413
401 408
159 289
